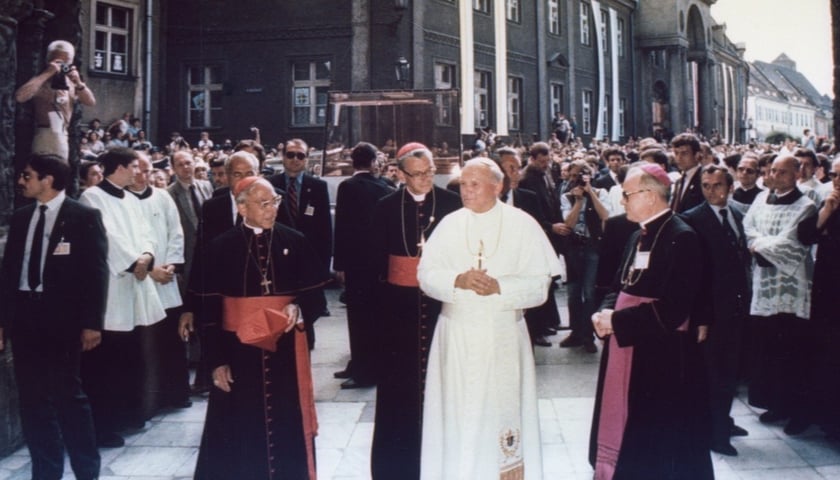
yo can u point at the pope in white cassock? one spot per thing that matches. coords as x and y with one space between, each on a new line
486 262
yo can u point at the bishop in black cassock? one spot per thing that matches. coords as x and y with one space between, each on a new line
402 222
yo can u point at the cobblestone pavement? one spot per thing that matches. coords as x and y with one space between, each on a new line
167 447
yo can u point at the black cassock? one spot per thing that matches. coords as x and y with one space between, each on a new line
257 430
404 332
666 432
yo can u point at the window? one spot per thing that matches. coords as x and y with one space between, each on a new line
604 21
204 97
514 103
587 112
622 104
605 122
514 12
619 33
482 98
557 99
584 23
445 80
310 83
111 39
482 6
554 17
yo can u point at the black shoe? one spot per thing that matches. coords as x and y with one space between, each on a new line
736 431
797 425
182 404
772 416
198 389
590 347
109 440
346 373
540 341
351 384
570 342
725 449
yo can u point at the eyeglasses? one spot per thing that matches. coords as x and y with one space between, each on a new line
748 171
420 175
627 195
249 173
274 202
25 175
298 155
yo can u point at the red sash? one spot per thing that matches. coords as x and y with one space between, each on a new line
402 271
260 321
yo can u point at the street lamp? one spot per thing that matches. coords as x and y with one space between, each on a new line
403 69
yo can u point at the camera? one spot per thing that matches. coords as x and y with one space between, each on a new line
58 80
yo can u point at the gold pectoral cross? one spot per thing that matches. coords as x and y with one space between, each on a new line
265 284
421 244
480 257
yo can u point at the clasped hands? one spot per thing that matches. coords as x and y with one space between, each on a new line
478 281
602 321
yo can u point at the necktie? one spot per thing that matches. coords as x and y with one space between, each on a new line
37 248
195 201
293 199
727 227
675 202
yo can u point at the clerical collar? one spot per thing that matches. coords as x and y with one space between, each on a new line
652 219
787 198
417 198
142 195
359 172
256 230
111 188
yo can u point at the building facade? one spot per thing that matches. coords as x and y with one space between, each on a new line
782 101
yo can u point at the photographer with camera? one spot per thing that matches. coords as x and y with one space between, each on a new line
585 211
54 92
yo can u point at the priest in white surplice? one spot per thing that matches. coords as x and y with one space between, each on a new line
486 262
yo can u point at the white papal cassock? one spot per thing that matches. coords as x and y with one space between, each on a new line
480 413
131 302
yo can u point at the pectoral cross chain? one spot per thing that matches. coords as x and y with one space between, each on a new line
480 256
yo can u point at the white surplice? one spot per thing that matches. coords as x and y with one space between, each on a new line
480 416
162 215
131 302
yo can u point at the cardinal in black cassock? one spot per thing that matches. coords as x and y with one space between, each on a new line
264 426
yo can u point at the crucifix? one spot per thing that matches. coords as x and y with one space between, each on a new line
421 244
480 256
265 284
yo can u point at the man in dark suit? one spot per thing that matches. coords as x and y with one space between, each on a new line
53 289
308 205
724 300
687 154
608 177
536 179
353 263
539 319
189 194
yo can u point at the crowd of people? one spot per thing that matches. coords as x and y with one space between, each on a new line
700 265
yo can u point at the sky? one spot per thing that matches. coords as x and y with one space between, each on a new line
801 29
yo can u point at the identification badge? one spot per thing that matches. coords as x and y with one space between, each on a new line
641 261
310 210
62 248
